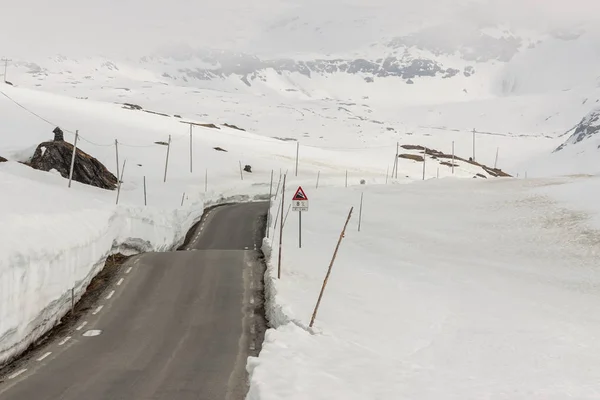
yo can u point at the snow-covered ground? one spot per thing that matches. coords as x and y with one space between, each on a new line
453 289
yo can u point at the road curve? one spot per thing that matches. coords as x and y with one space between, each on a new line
179 325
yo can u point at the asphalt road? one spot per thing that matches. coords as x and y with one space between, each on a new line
179 325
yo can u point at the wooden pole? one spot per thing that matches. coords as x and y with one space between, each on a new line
312 320
397 155
437 175
182 198
286 215
241 172
121 180
318 176
473 144
496 161
205 180
191 151
145 198
73 157
424 161
346 178
297 155
278 185
360 211
270 201
117 154
167 159
281 230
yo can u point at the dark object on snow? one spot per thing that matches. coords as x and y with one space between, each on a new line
2 159
177 116
9 83
234 127
57 155
248 168
130 106
209 126
220 149
59 136
162 143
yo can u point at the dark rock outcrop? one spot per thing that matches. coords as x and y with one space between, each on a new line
88 170
248 168
59 136
2 159
588 127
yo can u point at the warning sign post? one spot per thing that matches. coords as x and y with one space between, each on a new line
300 203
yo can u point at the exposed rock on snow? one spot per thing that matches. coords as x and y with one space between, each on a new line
2 159
588 127
57 155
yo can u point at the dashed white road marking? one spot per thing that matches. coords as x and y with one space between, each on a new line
251 284
44 356
13 376
246 248
128 270
252 346
252 300
93 332
120 281
252 313
252 329
65 340
97 310
111 294
136 262
80 327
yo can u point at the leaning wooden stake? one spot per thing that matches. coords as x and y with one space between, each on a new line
312 320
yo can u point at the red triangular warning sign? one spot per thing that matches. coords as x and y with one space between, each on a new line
300 195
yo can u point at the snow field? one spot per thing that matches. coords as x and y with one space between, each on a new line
453 289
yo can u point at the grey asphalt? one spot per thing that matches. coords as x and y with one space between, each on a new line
180 326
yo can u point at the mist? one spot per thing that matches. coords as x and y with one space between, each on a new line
133 28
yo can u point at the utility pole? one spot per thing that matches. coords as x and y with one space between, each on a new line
6 60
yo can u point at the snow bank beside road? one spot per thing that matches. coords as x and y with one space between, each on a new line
453 290
49 247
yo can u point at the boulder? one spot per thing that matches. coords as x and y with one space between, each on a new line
248 168
88 170
2 159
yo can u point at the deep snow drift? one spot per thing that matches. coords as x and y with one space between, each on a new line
452 290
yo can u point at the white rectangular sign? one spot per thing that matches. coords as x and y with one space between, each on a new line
300 205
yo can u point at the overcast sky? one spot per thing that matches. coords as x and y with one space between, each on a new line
138 27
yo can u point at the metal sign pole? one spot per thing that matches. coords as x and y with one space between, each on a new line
299 229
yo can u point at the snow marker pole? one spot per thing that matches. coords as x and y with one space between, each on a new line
453 157
387 172
346 178
117 154
72 301
182 199
241 174
318 176
270 201
191 151
281 229
424 160
145 200
473 144
73 158
360 211
496 161
312 320
121 180
397 155
205 180
297 155
167 159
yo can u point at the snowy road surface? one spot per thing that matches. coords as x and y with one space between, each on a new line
177 325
